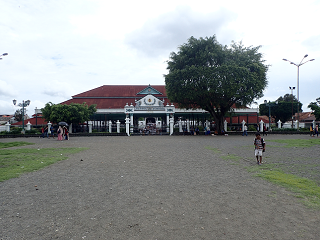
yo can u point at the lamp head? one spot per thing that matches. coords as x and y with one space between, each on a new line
5 54
311 60
265 101
284 59
14 101
306 55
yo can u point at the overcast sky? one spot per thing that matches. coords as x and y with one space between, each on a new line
59 48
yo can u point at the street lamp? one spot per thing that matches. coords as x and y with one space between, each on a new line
269 104
4 54
292 88
23 105
298 65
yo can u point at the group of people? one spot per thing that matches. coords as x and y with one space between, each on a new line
45 132
62 133
314 131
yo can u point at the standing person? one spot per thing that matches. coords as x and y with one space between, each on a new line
245 129
42 132
260 146
265 130
52 132
60 133
197 130
317 130
66 133
311 131
46 132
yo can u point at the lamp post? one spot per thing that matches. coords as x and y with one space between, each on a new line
23 105
269 104
4 54
298 65
292 88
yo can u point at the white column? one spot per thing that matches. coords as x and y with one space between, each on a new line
313 124
171 126
243 123
70 128
180 125
118 126
49 126
225 125
110 126
296 124
127 126
8 127
29 126
188 125
90 127
131 122
168 122
279 124
261 126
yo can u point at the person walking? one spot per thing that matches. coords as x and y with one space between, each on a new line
317 130
260 146
245 129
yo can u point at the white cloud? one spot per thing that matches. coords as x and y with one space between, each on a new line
61 48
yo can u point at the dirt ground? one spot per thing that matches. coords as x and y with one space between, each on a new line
156 187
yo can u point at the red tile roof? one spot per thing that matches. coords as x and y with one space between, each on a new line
120 91
115 96
33 121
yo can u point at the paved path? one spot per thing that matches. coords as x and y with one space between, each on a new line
152 187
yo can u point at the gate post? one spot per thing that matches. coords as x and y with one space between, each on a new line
110 126
127 126
171 126
118 126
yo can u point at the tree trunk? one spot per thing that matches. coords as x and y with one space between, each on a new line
218 118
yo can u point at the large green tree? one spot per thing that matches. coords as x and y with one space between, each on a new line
18 114
282 109
205 74
315 107
74 113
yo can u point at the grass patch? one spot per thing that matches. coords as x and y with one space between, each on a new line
14 144
215 150
307 190
297 142
15 162
230 157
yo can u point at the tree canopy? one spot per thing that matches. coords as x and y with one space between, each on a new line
74 113
315 107
205 74
282 109
18 114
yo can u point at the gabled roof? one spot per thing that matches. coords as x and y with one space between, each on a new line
117 96
149 90
108 91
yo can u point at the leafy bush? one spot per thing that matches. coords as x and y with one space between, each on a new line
33 131
252 128
284 129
